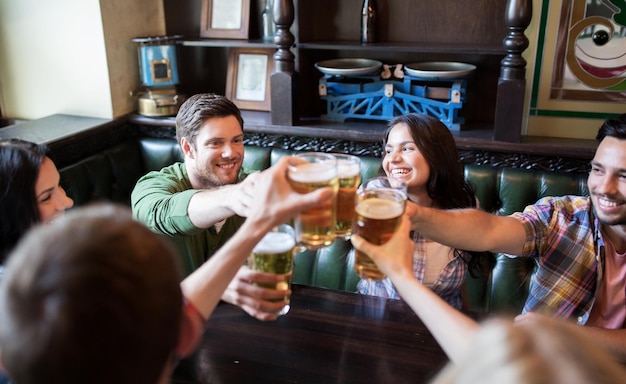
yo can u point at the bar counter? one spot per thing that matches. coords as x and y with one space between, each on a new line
327 337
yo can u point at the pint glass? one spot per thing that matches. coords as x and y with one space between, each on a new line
308 171
274 254
379 206
349 171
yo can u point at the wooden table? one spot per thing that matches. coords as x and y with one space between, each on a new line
328 337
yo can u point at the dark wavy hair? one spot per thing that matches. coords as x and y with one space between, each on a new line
615 127
446 185
20 162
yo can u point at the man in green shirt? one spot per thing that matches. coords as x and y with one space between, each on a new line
199 203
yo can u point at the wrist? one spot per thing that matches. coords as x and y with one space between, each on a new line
256 228
193 313
398 273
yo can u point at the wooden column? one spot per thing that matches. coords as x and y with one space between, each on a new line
282 81
512 81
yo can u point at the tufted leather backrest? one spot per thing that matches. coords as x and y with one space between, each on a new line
112 174
507 190
504 191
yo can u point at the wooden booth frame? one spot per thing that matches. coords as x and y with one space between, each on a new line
248 79
228 19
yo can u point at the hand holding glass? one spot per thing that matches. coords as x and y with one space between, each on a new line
379 206
315 227
274 254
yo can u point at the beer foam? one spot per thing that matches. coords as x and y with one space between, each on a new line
347 168
380 209
275 242
313 173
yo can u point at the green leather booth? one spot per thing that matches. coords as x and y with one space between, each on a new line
111 175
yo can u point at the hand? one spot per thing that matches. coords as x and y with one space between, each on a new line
411 209
395 257
253 299
536 319
530 318
243 195
272 199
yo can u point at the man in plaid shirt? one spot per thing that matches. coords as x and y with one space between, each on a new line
578 242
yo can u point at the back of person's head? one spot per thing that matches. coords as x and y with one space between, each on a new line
615 127
540 352
446 184
93 297
20 162
199 108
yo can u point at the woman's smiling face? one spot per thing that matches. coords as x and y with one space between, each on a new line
51 197
403 159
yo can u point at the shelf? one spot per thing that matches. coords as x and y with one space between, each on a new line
220 43
409 32
347 45
403 47
475 137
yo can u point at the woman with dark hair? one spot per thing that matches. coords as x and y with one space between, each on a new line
29 191
421 150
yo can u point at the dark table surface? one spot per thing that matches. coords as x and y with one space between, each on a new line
328 336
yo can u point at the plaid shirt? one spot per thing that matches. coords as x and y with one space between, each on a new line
564 236
448 284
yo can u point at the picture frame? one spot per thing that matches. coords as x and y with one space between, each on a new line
248 78
584 69
561 96
227 19
561 86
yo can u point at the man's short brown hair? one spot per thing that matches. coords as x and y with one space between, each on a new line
199 108
91 298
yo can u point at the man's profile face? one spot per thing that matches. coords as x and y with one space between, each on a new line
218 154
607 181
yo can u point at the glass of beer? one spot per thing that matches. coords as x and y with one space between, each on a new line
349 171
308 171
274 254
379 206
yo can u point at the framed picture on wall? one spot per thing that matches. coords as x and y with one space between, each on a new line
581 69
228 19
590 57
248 79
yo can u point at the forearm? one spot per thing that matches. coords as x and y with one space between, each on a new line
471 230
211 206
205 286
452 329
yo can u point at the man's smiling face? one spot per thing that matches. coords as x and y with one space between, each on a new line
607 181
216 157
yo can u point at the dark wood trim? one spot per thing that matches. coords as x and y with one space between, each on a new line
71 138
512 82
364 139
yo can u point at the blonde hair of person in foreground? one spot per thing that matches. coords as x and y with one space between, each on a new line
544 352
